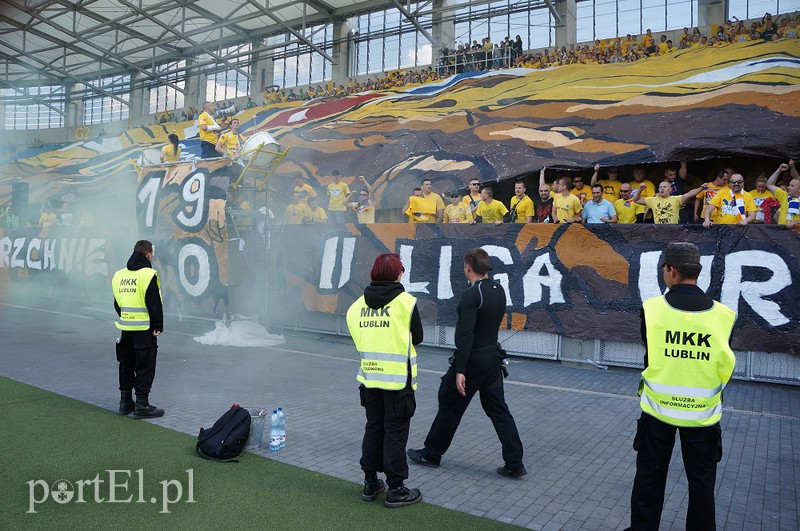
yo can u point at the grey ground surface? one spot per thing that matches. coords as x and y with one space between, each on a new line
577 424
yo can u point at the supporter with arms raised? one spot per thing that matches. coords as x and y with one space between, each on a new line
789 212
543 203
610 185
363 205
666 208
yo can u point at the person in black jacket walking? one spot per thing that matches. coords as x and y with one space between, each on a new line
476 368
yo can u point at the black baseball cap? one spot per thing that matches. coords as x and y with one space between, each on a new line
681 253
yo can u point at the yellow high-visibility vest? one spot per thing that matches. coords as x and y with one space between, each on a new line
383 339
129 292
689 363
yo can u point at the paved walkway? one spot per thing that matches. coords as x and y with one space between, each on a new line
577 424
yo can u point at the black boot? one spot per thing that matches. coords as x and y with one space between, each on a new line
126 403
144 410
402 496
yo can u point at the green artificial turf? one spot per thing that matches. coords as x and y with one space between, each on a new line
45 436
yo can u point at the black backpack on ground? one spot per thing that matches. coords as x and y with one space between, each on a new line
227 437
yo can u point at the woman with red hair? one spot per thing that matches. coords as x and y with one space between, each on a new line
385 326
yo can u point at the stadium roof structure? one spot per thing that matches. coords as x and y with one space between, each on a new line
82 41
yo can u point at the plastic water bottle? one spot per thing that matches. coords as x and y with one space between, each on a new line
274 432
282 427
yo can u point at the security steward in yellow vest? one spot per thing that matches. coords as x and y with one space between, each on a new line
385 326
137 300
688 361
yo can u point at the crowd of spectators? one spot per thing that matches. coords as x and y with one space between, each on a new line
628 49
486 55
676 197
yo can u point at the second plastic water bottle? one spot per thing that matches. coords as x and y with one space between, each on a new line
282 427
274 432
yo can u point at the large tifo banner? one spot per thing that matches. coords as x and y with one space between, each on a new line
586 282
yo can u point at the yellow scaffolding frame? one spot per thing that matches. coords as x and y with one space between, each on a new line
278 157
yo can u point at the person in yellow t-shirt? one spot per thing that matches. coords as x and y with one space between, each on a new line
760 194
701 201
581 190
172 151
303 189
735 205
489 209
208 129
473 197
230 143
428 193
663 49
365 209
610 185
789 213
627 211
337 194
521 204
317 213
666 208
420 209
297 211
566 207
649 190
457 211
649 42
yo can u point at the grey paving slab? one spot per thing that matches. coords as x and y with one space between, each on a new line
577 424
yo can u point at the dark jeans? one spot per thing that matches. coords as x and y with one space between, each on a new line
136 354
483 375
208 150
701 449
386 433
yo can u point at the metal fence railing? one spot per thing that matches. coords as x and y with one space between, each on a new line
752 366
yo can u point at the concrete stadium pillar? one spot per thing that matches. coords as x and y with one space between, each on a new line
566 33
195 88
139 105
263 72
711 12
73 110
443 32
340 73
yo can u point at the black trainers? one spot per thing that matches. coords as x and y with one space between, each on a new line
147 412
419 458
372 489
126 406
402 496
508 473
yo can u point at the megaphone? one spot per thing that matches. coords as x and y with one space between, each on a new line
230 110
